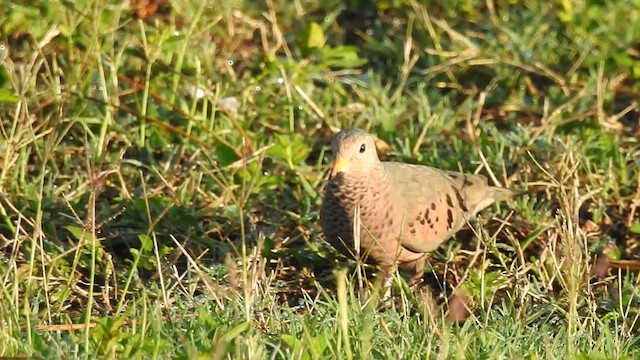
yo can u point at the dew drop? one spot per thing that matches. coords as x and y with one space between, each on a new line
300 107
326 19
3 48
253 113
280 81
176 33
258 88
369 32
272 105
229 62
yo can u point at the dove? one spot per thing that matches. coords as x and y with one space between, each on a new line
392 214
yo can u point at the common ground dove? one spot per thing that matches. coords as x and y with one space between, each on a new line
405 210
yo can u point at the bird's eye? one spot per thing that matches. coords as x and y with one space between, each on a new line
362 148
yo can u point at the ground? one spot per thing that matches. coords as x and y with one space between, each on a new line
163 164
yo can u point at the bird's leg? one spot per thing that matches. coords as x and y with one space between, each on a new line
387 279
418 272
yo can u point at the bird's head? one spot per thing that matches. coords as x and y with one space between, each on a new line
354 152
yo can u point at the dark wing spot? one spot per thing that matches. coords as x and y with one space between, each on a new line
461 201
466 182
449 219
449 202
411 224
453 176
433 206
421 221
431 225
413 231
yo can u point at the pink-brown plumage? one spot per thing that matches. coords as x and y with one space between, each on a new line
405 210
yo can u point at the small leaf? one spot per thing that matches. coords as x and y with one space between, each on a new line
290 340
145 242
226 155
292 148
308 188
315 38
319 344
311 38
7 96
342 57
4 75
235 331
77 232
635 228
295 345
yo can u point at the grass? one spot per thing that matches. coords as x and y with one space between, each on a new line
162 170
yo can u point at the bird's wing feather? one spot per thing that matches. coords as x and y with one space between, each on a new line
436 202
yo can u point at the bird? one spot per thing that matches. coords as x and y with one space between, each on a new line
391 214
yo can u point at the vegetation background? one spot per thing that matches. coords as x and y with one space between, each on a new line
162 165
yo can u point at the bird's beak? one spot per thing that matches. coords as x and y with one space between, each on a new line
339 165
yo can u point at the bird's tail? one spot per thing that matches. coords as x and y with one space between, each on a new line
495 194
501 194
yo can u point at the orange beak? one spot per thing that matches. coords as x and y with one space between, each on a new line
339 165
